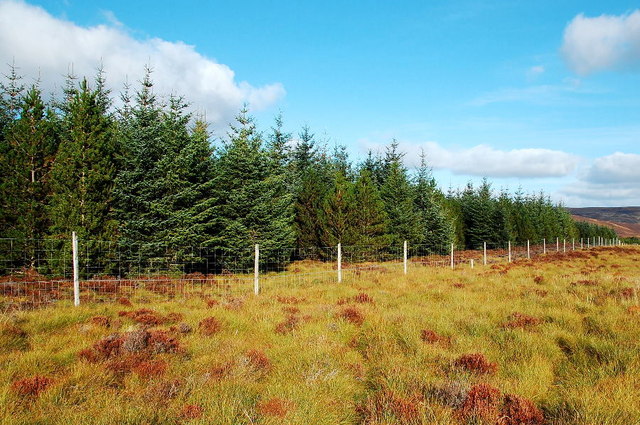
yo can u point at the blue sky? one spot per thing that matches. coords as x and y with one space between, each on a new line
543 95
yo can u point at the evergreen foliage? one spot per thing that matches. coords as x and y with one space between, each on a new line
147 178
398 198
253 204
29 147
437 228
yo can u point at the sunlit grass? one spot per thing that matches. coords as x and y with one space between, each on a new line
313 351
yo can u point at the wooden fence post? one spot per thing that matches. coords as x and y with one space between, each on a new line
256 270
76 277
452 256
405 257
339 263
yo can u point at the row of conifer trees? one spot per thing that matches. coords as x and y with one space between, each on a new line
148 174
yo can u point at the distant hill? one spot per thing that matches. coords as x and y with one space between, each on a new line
625 220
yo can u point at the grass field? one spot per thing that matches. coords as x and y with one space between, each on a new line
555 340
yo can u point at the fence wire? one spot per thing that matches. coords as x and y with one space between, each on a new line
40 272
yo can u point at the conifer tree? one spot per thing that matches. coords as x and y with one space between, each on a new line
192 206
398 198
30 146
368 217
278 145
477 211
438 230
304 155
10 96
337 208
30 143
142 182
84 169
375 167
254 206
310 221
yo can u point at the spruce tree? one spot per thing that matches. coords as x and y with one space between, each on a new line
10 95
398 198
190 200
84 169
142 183
254 206
337 209
438 230
476 209
310 221
368 218
29 150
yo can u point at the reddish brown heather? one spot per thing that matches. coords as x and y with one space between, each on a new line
634 309
234 303
377 408
31 387
353 315
342 301
141 341
89 355
431 337
258 360
274 407
124 301
585 283
209 326
291 309
150 368
476 363
519 320
144 316
289 325
221 371
458 285
125 364
174 317
191 411
363 298
107 347
518 410
103 321
212 303
162 342
627 293
538 279
183 328
482 403
289 300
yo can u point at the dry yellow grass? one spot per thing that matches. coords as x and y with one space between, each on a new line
556 336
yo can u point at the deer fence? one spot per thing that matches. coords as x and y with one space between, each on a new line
34 273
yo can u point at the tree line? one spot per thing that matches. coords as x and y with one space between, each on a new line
148 174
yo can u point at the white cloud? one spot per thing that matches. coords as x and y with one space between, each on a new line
485 161
584 194
602 43
615 168
612 180
42 45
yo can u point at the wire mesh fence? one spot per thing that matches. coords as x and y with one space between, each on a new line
41 272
